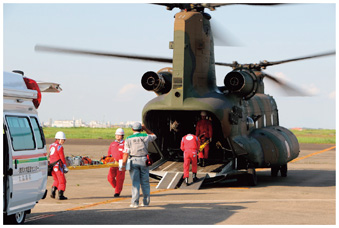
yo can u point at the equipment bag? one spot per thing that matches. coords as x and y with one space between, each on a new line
50 167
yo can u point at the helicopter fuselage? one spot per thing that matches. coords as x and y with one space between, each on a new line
245 120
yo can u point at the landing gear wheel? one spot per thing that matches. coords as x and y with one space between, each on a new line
283 170
274 171
252 177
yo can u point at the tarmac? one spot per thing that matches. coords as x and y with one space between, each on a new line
307 196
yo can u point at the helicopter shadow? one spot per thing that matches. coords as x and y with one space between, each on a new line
298 178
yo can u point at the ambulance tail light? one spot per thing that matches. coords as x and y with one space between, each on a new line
31 84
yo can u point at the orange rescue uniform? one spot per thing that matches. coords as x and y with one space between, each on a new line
205 130
115 177
190 145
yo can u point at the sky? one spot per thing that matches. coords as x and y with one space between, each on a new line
109 89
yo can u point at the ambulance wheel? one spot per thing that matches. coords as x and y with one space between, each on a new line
252 177
17 218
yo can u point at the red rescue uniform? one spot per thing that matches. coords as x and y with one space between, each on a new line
115 177
190 146
205 130
56 152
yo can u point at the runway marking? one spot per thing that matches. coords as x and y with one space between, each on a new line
315 153
96 204
307 156
39 217
239 200
110 201
164 190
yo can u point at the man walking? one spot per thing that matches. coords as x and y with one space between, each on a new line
190 146
136 147
116 177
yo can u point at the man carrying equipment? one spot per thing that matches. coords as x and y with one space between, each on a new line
204 131
115 176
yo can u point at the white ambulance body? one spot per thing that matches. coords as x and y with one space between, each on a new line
24 147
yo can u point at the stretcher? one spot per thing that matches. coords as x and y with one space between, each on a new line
107 165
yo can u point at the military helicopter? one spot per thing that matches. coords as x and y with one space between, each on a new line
245 120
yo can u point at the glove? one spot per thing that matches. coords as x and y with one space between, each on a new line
65 169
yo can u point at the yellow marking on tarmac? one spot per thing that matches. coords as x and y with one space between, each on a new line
315 153
307 156
164 190
109 201
96 204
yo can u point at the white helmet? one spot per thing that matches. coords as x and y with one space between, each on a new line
60 135
120 131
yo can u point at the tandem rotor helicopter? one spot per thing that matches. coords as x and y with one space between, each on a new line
245 120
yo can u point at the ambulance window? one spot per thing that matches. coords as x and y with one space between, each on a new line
21 133
37 133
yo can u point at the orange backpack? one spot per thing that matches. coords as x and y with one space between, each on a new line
107 159
86 161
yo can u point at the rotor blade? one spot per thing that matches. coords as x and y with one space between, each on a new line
225 64
266 63
211 6
222 36
105 54
289 89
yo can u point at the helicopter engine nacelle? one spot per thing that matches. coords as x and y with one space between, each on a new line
160 82
241 82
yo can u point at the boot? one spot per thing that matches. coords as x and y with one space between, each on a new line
203 162
195 179
186 181
61 196
53 192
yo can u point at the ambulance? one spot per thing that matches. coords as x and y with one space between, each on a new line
24 146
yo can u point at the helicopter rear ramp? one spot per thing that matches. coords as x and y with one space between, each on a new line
171 175
172 180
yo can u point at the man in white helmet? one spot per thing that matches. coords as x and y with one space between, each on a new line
58 161
116 177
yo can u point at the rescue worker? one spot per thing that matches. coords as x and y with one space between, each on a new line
204 131
57 159
136 147
115 176
190 147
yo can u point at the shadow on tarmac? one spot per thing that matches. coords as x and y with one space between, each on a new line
167 214
300 178
182 213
